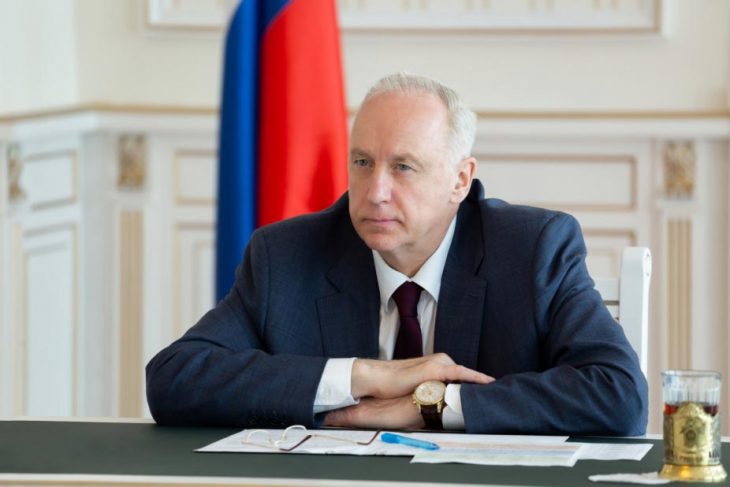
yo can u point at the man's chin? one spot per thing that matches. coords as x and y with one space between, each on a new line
379 242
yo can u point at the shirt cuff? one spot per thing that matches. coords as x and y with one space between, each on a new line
334 390
453 417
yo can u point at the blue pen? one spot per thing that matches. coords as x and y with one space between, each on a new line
408 441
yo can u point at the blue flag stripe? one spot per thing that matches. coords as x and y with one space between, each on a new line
238 135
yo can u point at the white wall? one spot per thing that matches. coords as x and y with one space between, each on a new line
120 61
37 55
63 52
687 69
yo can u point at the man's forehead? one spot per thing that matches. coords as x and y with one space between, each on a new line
402 126
413 96
401 110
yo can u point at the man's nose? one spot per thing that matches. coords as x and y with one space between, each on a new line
380 186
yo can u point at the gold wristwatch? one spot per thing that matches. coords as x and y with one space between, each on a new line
429 398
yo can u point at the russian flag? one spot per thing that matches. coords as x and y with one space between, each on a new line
283 126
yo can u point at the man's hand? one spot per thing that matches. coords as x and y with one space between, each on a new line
398 413
390 379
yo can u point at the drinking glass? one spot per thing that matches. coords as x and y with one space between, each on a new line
692 426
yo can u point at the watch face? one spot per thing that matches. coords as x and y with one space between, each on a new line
430 392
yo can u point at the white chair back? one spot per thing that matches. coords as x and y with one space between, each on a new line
627 298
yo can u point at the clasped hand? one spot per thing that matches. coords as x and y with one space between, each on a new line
384 388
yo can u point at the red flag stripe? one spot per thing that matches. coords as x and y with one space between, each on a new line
302 117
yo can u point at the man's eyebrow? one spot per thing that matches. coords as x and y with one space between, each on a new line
354 152
402 157
406 156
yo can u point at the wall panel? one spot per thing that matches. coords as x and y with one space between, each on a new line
131 306
566 181
47 326
50 179
194 270
604 250
195 177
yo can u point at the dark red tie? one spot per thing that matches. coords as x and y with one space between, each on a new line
409 343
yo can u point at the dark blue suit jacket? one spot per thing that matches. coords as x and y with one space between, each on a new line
516 303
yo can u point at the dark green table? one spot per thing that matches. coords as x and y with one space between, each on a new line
34 448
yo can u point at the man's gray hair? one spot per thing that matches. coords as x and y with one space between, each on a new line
462 121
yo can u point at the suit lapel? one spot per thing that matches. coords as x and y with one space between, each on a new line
350 319
460 312
459 318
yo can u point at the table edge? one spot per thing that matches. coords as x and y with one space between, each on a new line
89 480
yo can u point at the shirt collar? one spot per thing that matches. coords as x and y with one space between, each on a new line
428 276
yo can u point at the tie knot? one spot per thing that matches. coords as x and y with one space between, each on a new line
406 298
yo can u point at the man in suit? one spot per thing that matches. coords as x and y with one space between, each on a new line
412 302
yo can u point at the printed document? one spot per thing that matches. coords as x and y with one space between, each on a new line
453 447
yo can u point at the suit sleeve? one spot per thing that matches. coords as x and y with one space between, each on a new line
591 382
221 371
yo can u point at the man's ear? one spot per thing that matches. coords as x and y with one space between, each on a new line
464 176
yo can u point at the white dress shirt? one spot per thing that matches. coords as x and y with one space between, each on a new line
334 389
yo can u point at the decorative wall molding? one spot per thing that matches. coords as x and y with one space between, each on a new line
533 17
679 293
179 111
104 108
679 170
132 162
17 322
605 247
56 242
620 168
599 115
15 169
131 310
194 175
193 293
188 15
51 179
625 233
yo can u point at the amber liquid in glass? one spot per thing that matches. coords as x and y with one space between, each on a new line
711 409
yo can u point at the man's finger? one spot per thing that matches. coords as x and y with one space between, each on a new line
459 373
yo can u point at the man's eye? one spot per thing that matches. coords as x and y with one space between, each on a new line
403 167
360 162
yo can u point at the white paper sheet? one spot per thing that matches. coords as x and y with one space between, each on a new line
614 451
650 478
454 447
342 442
265 441
536 455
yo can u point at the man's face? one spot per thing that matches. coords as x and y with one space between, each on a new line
403 186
